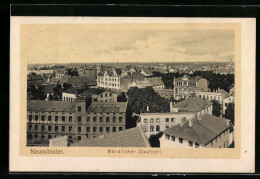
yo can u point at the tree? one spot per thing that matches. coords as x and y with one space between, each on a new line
37 92
73 72
66 86
229 113
50 97
121 97
57 92
216 108
154 139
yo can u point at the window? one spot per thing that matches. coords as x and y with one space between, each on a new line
197 145
106 95
101 95
70 128
88 119
36 136
63 118
94 119
183 119
49 128
100 129
114 129
70 118
79 118
63 128
79 108
190 143
157 120
101 119
173 138
30 117
30 136
49 118
43 118
56 118
107 129
167 120
36 127
79 129
114 119
94 129
181 140
172 119
167 127
167 136
30 127
70 137
42 137
145 120
49 136
88 129
151 120
36 117
107 119
110 94
56 128
157 128
151 128
120 128
79 138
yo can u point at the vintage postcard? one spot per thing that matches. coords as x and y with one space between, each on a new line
107 94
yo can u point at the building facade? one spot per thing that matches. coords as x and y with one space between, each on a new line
186 86
226 101
52 119
207 131
218 95
109 79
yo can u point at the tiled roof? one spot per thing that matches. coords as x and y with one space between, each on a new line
202 131
156 81
50 106
107 107
193 104
133 137
88 91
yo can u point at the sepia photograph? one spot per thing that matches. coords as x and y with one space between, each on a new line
131 88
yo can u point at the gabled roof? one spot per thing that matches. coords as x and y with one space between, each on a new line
192 104
202 131
133 137
50 106
156 81
107 107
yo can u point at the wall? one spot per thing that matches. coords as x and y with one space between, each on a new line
202 85
163 124
221 141
107 97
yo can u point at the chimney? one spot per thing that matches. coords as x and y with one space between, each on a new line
147 108
190 123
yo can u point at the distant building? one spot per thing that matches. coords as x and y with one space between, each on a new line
155 82
186 86
165 93
146 72
226 101
218 95
193 104
205 131
109 78
133 137
80 93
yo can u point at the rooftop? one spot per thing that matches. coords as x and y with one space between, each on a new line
133 137
193 104
156 81
50 106
202 131
108 107
188 78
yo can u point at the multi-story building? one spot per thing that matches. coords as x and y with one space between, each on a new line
110 96
51 119
226 101
109 78
192 107
218 95
188 86
205 131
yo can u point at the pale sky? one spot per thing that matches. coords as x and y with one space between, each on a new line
57 44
